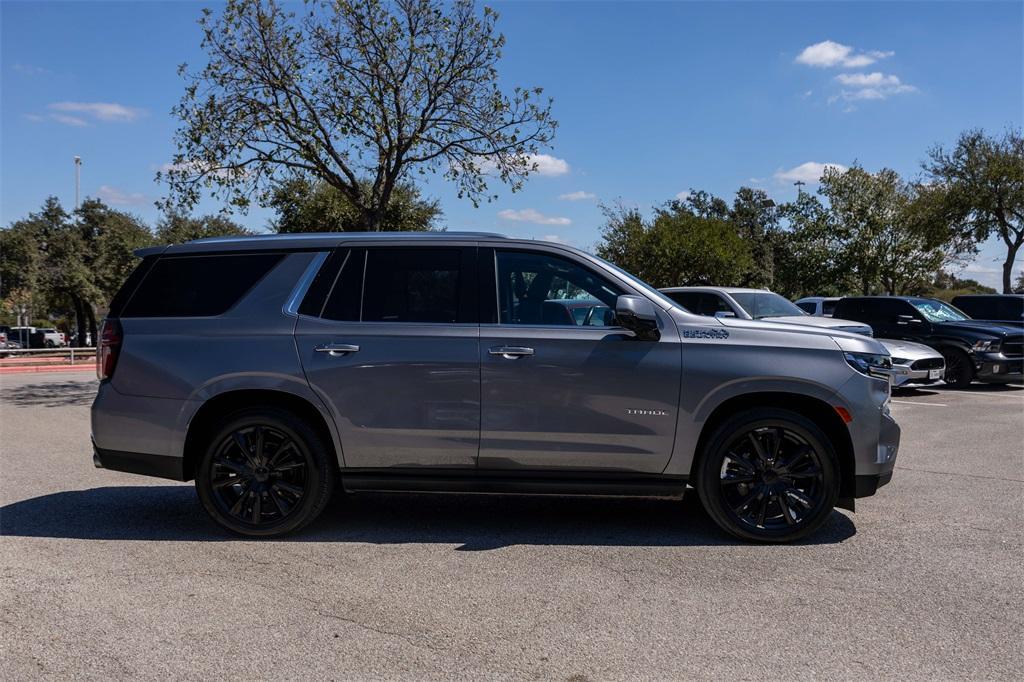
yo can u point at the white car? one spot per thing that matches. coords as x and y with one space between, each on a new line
914 363
819 306
754 304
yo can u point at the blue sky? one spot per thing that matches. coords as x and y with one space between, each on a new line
653 99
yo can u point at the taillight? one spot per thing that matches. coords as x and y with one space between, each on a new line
108 349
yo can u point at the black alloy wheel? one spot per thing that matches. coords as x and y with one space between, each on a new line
265 473
959 370
771 478
769 475
259 475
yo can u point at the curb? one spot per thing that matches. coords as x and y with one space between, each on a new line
33 369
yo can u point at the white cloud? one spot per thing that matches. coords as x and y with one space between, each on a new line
828 53
116 197
554 238
31 70
35 118
684 195
549 165
809 172
69 120
100 111
577 196
529 215
869 86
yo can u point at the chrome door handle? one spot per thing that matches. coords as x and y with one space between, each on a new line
337 349
510 352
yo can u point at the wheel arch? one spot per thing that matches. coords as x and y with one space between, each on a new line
207 417
816 409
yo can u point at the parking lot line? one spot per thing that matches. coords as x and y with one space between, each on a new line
911 402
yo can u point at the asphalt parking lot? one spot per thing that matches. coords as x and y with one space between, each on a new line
113 575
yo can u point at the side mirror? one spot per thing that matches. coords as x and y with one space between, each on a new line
725 313
638 315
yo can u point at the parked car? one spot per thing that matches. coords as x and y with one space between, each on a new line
28 337
996 307
275 369
754 304
819 306
914 363
52 338
974 350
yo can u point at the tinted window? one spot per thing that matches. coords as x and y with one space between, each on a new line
700 302
320 287
346 289
808 307
197 286
765 304
412 285
827 307
541 289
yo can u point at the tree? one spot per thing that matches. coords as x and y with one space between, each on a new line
947 286
982 179
756 218
805 256
309 205
879 235
352 89
176 228
1018 288
677 248
111 238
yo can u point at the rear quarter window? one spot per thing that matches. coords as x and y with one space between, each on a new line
197 286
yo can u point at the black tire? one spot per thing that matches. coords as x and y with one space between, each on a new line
768 493
959 368
279 482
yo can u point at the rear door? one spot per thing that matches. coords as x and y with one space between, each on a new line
388 337
562 396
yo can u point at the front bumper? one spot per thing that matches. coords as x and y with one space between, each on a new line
996 368
903 375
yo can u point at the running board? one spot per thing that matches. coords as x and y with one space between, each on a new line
577 483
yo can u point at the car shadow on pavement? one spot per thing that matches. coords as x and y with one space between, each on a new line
473 522
60 394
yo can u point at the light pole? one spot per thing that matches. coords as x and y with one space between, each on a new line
78 178
799 187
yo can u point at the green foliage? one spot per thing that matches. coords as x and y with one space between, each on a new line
65 265
879 241
1018 287
309 205
677 248
351 89
176 228
981 184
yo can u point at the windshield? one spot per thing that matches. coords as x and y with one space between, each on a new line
937 311
766 304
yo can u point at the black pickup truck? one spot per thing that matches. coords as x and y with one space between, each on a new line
975 350
1001 307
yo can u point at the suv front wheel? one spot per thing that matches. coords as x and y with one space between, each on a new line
265 473
768 475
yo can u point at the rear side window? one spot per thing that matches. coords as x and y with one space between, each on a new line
197 286
827 307
808 307
412 285
418 285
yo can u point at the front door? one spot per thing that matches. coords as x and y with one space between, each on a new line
391 344
561 395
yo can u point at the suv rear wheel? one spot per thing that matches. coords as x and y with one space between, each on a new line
265 473
769 475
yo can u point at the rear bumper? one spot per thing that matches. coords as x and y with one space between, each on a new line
869 485
159 466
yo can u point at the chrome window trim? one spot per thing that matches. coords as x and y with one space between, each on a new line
291 306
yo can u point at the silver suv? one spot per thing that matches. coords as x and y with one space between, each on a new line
274 370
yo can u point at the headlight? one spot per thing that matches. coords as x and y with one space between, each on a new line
870 364
986 346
